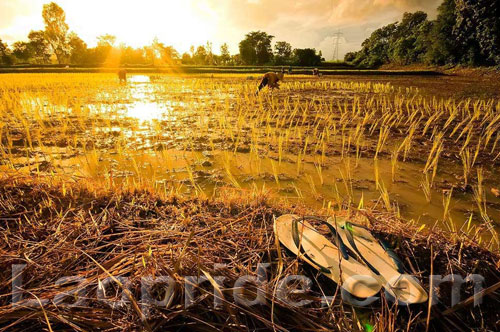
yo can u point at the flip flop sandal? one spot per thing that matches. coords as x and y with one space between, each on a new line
335 260
381 260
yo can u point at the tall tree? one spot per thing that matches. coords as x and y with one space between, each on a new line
40 47
477 29
22 51
236 60
56 31
404 45
104 50
444 48
3 47
186 59
79 51
169 54
464 32
307 57
129 55
154 51
256 49
4 54
375 49
282 52
210 54
166 53
402 42
225 56
200 55
106 40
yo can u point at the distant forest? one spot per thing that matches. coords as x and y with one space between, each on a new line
57 44
465 32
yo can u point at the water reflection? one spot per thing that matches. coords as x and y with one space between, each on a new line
139 79
143 108
147 111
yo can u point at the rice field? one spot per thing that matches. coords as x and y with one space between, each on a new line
428 156
183 175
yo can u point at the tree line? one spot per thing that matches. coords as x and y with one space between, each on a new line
56 43
465 32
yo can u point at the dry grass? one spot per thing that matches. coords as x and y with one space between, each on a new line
76 231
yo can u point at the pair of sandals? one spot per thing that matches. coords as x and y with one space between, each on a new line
357 260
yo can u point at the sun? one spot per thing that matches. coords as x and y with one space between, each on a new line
136 23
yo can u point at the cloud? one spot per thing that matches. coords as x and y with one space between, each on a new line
268 13
311 23
352 11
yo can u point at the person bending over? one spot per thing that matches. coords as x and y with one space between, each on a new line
271 80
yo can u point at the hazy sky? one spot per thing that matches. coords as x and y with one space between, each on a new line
182 23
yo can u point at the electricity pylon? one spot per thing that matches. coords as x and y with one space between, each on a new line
337 35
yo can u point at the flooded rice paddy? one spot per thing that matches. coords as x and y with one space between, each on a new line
425 148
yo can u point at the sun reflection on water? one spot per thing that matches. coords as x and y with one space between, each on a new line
139 79
148 111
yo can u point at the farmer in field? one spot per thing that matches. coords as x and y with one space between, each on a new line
122 76
271 80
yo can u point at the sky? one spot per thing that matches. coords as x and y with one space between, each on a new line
182 23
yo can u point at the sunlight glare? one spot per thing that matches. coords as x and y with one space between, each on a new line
177 23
